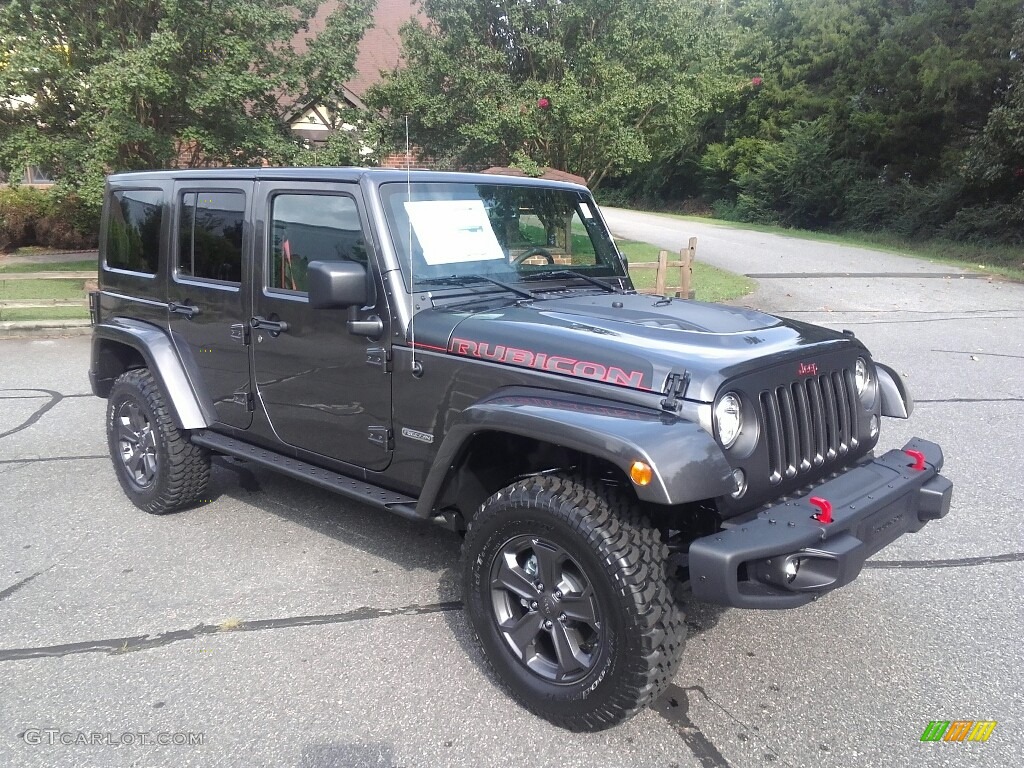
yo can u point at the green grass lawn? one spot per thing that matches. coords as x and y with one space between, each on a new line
709 283
45 290
56 266
62 290
49 313
1004 260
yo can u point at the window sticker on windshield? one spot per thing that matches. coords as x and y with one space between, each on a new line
586 211
453 231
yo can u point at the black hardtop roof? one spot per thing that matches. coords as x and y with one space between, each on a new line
374 175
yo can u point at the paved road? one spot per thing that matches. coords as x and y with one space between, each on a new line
289 627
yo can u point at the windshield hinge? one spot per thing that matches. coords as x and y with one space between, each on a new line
675 389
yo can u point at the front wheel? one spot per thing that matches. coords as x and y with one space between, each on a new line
567 592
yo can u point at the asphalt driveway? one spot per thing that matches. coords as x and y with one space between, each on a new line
279 625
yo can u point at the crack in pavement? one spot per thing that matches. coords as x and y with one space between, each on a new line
23 583
674 706
54 458
55 397
992 312
962 562
974 400
978 354
929 320
861 275
120 645
36 397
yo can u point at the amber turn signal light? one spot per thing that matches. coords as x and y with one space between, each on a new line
641 473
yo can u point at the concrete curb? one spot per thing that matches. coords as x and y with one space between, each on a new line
18 329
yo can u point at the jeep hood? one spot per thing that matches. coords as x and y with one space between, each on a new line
630 340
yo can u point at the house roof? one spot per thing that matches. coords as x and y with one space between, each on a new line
549 174
380 48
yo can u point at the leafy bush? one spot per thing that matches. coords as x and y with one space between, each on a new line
68 223
29 216
20 209
988 224
796 182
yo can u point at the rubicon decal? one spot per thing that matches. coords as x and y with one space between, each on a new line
569 366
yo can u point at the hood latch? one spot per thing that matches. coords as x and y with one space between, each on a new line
675 389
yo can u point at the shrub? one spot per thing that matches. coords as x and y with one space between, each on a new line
20 209
30 216
67 223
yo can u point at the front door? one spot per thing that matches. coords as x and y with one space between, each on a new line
324 389
211 249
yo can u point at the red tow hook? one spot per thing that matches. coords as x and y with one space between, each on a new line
918 458
824 509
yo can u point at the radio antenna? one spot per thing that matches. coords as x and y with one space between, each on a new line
417 369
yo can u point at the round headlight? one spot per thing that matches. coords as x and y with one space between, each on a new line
863 378
728 418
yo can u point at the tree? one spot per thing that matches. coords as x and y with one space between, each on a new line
88 87
594 87
894 93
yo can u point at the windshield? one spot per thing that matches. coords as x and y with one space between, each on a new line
460 230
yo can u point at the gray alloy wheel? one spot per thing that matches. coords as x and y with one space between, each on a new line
137 443
566 588
545 608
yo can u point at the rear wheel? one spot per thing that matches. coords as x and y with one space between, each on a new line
158 468
567 592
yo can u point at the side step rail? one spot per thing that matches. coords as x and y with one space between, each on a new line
358 490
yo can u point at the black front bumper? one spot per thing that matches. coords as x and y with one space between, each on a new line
785 557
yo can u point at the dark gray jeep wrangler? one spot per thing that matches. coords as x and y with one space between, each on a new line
470 349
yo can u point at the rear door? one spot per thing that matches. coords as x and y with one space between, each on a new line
324 389
211 249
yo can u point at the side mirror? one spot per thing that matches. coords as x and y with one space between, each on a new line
336 284
624 257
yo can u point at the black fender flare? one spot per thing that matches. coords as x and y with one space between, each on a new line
190 408
687 463
896 399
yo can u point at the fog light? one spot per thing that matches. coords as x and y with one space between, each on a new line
739 479
873 427
641 473
791 569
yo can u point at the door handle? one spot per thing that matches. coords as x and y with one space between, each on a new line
274 327
188 310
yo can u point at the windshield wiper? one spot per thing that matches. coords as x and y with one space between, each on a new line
571 273
463 279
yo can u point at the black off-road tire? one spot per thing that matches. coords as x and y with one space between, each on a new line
175 473
641 636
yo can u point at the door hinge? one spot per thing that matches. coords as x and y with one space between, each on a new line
675 389
240 332
379 357
244 398
383 437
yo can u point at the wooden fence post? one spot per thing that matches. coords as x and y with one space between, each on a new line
661 274
686 257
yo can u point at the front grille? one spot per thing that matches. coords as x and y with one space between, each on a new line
809 424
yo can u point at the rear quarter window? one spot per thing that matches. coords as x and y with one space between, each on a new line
133 230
